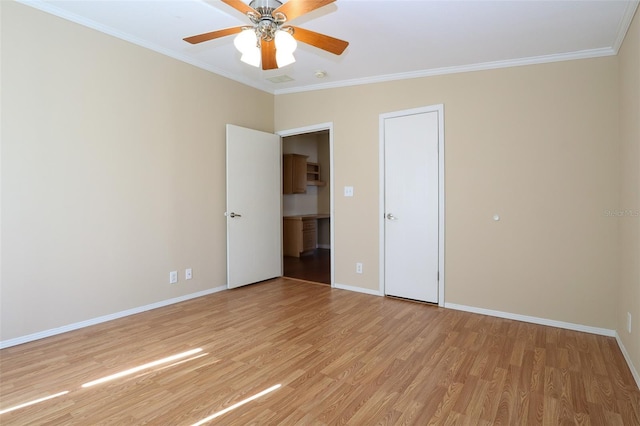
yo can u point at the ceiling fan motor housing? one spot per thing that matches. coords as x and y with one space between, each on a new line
265 7
267 23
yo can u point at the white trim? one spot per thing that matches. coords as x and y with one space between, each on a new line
627 358
534 320
105 318
358 289
381 205
441 207
439 108
625 23
312 129
307 129
534 60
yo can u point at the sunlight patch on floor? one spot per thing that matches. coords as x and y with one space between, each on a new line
142 367
35 401
236 405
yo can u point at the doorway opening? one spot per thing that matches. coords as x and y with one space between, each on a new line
307 204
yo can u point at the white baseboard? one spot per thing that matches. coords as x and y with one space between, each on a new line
105 318
357 289
534 320
627 358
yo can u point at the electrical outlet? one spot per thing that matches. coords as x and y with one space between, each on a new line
173 277
348 191
358 268
188 274
629 322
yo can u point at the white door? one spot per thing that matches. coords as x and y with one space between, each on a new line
410 150
254 221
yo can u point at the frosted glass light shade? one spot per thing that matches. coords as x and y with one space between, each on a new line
284 58
252 57
285 42
285 46
245 41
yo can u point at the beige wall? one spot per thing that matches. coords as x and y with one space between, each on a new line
535 144
112 172
629 205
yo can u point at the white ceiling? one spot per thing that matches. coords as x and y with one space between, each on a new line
388 39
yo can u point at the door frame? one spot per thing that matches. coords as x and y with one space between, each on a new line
439 108
313 129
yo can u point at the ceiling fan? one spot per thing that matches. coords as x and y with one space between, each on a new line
269 41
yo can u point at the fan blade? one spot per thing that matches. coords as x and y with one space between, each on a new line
214 34
268 49
321 41
294 8
240 6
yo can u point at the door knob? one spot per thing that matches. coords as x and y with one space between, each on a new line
232 214
391 217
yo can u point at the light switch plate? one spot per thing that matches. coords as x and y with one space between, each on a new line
348 191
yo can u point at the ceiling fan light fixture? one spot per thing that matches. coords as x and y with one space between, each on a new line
284 58
246 41
251 57
271 42
285 46
285 41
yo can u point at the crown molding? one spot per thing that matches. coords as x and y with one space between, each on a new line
625 23
534 60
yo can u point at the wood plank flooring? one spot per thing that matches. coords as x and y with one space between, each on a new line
339 358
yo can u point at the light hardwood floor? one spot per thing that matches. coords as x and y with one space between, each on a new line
339 358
